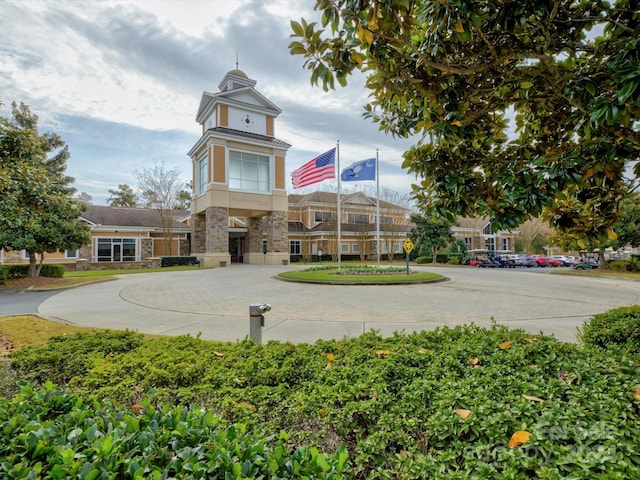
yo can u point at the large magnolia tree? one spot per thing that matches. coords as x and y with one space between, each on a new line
522 107
37 211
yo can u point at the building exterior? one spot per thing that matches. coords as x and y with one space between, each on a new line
120 235
239 209
313 227
477 234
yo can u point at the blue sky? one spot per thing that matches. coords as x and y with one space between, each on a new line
120 82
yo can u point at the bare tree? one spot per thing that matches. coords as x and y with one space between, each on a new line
533 231
161 187
392 218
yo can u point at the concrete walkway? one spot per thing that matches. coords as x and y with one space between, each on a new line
214 303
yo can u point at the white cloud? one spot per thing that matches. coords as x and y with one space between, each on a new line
120 81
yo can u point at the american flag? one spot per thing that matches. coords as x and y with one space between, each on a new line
320 168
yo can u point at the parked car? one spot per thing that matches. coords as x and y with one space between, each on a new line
506 261
567 261
541 260
554 262
527 260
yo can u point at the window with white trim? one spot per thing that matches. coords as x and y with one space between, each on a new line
71 254
295 247
202 174
355 248
358 218
116 249
344 248
249 172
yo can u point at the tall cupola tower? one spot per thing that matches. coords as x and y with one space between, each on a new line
239 209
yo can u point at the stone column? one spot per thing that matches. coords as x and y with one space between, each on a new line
198 235
217 230
146 248
277 231
253 241
216 251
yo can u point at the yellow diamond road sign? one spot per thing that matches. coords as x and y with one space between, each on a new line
408 245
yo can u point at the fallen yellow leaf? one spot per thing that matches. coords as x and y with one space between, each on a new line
330 357
218 354
382 353
531 339
459 27
456 123
636 394
422 350
531 397
462 413
248 405
505 345
474 361
518 438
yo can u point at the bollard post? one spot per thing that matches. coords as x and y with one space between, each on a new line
256 320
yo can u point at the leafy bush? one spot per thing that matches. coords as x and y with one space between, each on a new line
18 271
52 270
51 434
455 259
620 326
175 261
423 260
4 274
618 265
66 357
442 258
466 402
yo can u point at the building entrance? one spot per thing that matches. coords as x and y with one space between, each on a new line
236 249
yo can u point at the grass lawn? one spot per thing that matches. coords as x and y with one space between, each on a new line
19 331
102 273
330 275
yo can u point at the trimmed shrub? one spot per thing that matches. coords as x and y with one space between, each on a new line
18 271
455 259
618 265
4 274
52 270
442 257
175 261
66 357
620 326
423 260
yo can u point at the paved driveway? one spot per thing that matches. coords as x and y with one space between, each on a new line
215 303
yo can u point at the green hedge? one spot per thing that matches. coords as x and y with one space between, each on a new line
52 270
424 259
176 261
4 274
18 271
47 270
434 404
620 326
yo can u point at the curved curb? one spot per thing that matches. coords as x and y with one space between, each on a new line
333 282
67 287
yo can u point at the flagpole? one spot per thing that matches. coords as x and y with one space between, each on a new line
377 208
339 247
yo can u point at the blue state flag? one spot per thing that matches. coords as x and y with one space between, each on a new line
363 170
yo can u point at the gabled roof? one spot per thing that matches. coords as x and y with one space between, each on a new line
234 89
331 198
130 217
